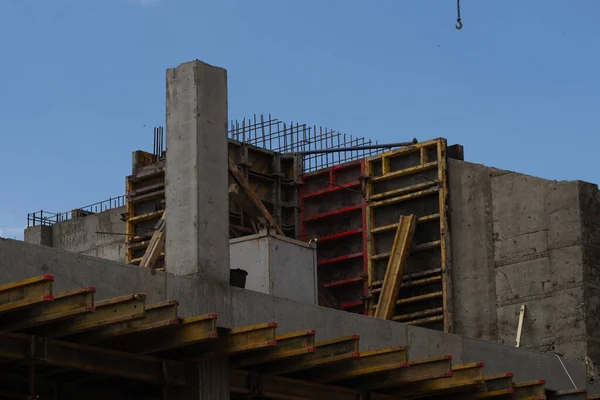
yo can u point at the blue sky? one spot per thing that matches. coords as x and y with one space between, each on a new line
82 81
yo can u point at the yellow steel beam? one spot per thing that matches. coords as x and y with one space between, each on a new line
108 312
365 364
65 305
405 172
406 197
189 332
17 295
395 270
327 352
464 377
531 389
156 316
390 376
393 227
496 386
442 179
275 387
20 347
289 346
572 394
145 217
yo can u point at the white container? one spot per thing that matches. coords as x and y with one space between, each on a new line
277 265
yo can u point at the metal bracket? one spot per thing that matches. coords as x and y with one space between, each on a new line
520 326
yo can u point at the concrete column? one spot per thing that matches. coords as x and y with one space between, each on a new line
209 379
197 240
39 234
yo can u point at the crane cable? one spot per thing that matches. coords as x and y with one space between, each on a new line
459 24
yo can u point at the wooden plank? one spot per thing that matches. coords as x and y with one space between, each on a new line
156 246
395 269
252 197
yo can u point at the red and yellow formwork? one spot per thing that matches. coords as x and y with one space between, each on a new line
333 210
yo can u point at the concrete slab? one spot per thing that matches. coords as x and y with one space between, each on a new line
238 307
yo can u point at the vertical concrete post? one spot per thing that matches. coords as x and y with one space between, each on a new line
197 240
39 234
209 379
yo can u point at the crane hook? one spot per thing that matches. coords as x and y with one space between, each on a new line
459 24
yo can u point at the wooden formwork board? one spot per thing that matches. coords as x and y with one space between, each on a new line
332 209
411 180
271 176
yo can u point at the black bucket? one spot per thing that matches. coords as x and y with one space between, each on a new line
237 277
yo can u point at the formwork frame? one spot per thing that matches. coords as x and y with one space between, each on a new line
408 179
322 217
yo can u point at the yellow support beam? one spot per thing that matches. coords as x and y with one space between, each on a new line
108 312
68 304
395 269
365 364
390 376
20 347
145 217
531 389
327 352
18 295
159 315
464 378
189 332
289 346
275 387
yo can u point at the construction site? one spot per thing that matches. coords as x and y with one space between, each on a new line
260 259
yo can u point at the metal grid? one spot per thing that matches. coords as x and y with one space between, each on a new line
292 137
49 340
261 131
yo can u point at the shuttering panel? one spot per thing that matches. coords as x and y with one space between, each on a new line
272 176
412 180
332 209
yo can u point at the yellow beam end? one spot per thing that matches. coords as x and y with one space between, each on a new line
66 304
17 295
108 312
291 345
155 316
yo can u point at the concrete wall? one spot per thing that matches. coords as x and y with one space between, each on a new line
79 235
238 307
277 265
519 240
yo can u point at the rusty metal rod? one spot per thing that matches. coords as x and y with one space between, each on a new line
355 148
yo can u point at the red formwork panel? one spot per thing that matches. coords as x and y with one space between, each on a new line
333 210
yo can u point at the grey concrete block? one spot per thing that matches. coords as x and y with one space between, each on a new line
40 234
515 248
539 277
518 205
470 206
558 316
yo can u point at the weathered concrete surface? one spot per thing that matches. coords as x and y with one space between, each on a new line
39 234
277 265
197 239
238 307
81 235
520 240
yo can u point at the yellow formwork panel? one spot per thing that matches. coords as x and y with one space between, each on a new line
414 176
